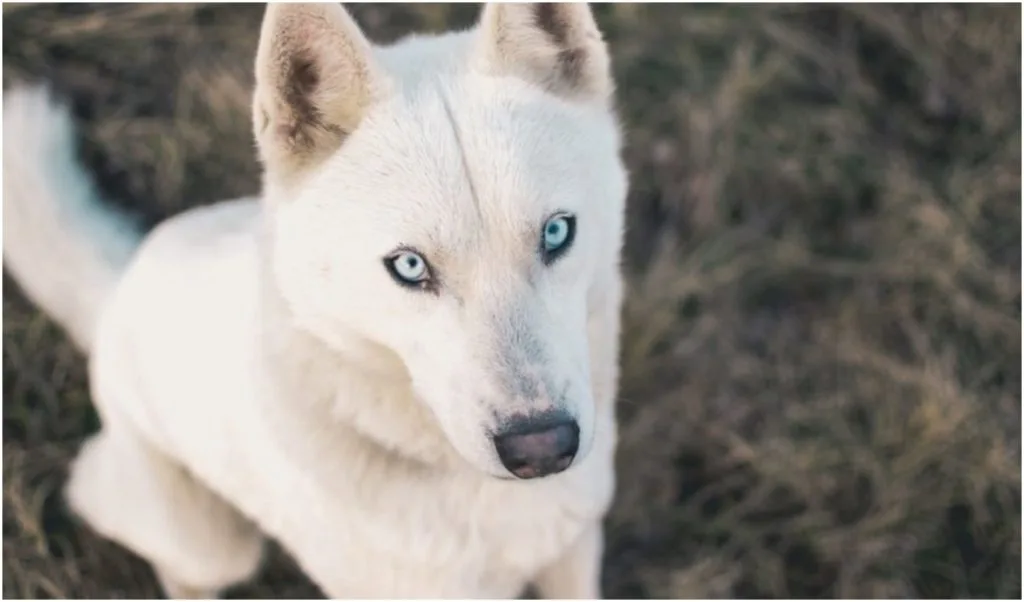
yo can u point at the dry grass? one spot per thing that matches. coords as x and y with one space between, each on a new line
821 391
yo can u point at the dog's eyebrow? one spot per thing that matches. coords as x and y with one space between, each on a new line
462 149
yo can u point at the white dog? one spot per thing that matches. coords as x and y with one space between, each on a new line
400 362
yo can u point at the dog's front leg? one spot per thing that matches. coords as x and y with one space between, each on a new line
577 573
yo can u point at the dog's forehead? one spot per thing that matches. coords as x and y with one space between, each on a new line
518 164
462 161
466 165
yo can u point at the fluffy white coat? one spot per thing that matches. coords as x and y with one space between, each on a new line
257 370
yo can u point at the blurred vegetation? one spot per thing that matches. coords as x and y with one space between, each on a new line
821 354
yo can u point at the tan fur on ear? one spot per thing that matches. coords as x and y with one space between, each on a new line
315 79
556 46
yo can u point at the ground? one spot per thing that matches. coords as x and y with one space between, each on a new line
821 353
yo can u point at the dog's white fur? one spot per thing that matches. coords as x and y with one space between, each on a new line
257 370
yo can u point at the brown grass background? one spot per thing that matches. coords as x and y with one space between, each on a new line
821 357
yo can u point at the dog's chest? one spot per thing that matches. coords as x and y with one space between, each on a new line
380 531
489 539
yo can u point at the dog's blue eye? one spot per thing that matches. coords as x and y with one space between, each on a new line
558 235
408 267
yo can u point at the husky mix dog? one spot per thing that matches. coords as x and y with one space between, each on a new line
401 361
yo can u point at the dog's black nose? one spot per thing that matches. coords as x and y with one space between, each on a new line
531 448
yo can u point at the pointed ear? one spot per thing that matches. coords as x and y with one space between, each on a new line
315 79
556 46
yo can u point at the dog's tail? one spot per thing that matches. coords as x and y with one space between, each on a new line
61 242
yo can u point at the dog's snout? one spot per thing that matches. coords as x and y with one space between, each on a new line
531 448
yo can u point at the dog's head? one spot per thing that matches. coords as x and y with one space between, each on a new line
457 201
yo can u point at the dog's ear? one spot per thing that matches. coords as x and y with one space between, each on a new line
315 79
556 46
